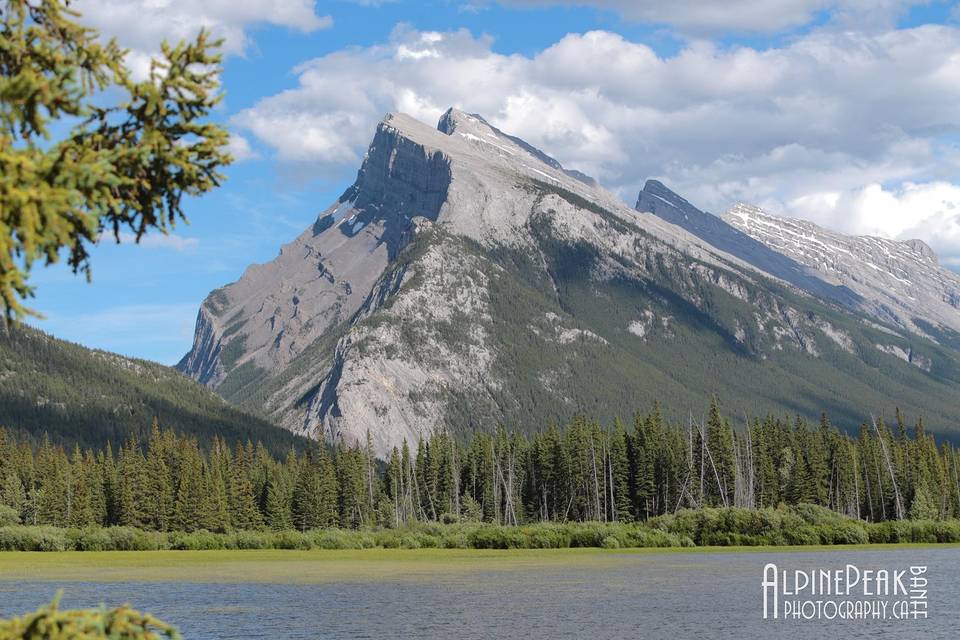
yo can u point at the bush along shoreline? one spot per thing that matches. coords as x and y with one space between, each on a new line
795 525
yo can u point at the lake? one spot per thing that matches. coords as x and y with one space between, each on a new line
650 594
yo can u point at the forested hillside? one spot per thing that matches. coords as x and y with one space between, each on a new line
89 397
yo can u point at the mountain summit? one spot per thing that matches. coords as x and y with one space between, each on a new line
466 279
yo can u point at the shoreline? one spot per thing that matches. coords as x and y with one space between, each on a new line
318 566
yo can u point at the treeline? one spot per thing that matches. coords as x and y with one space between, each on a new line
581 472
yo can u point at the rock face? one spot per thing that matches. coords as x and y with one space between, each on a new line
467 279
898 282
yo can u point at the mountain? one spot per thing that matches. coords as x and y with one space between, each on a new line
901 283
467 279
661 201
89 397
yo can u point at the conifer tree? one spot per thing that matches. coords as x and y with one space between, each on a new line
241 496
111 485
86 149
216 512
13 495
52 493
620 474
719 457
278 502
81 501
132 509
190 508
158 491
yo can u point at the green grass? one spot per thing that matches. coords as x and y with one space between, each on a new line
322 566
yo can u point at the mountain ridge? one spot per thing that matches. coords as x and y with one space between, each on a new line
899 282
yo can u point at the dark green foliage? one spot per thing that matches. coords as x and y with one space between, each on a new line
122 623
315 494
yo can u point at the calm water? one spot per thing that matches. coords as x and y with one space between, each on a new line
677 596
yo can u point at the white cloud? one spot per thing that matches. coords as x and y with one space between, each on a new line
142 25
158 240
715 17
239 147
801 129
930 211
738 15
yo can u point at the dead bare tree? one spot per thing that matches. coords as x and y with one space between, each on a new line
898 502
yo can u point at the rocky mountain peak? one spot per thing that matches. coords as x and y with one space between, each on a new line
475 129
660 191
922 248
454 119
900 282
460 256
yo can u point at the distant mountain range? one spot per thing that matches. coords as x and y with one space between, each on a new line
89 397
467 279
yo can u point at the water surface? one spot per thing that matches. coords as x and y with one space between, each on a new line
648 595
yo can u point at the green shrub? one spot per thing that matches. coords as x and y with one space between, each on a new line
92 539
335 539
30 538
202 540
132 539
8 516
547 537
409 541
587 535
293 540
948 531
494 537
843 532
388 539
455 540
251 540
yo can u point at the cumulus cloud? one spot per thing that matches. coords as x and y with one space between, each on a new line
141 25
239 147
929 211
745 16
801 129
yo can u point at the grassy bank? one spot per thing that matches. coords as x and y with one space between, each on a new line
275 566
802 525
272 566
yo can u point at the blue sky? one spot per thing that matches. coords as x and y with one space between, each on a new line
842 112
